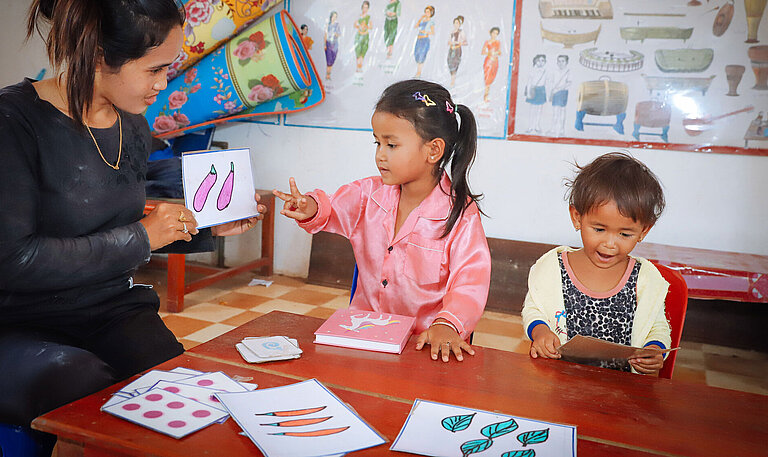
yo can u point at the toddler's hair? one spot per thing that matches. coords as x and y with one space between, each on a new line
428 106
621 178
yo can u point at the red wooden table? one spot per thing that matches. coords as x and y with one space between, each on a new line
617 414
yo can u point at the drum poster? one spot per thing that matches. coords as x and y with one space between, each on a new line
681 75
360 47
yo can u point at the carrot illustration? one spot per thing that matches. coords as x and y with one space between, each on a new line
295 412
205 188
326 432
299 422
225 195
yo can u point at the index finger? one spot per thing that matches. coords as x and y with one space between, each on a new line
281 195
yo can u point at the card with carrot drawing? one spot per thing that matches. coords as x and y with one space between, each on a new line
218 185
302 420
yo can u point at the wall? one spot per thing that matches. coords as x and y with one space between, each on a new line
714 201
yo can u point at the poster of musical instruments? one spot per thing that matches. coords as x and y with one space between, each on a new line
360 47
667 74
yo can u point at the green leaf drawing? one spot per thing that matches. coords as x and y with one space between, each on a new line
457 423
499 429
534 437
475 446
253 83
243 62
525 453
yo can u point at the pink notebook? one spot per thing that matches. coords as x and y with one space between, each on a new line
366 330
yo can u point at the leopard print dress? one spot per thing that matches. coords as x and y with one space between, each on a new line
608 318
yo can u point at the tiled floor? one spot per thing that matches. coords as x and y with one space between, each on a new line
217 309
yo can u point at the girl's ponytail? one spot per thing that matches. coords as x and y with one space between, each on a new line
463 157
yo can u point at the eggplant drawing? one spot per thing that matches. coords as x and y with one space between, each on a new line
225 195
201 196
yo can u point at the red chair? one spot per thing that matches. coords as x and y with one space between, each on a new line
676 303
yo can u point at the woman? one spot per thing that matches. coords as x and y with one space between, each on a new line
75 151
332 33
426 28
391 15
363 26
491 51
456 41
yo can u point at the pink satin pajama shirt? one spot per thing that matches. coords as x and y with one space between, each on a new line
414 272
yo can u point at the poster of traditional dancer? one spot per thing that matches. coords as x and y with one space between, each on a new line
465 46
668 75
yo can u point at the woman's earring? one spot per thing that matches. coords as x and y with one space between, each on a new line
577 227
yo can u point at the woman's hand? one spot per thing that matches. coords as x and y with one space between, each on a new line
648 365
241 226
297 206
167 223
545 343
443 339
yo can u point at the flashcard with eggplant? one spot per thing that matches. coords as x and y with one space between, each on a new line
218 185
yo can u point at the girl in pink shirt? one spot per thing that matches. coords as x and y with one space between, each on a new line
416 233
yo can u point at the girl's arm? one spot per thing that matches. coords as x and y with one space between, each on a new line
338 213
469 275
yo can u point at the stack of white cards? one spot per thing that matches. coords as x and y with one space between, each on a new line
268 349
176 402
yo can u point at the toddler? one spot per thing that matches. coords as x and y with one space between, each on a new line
600 290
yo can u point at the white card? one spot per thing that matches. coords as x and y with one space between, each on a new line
216 380
437 429
218 186
203 395
166 413
271 346
302 419
149 379
250 357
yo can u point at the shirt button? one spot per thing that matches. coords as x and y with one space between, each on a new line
384 283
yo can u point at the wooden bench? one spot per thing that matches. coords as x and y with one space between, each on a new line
177 265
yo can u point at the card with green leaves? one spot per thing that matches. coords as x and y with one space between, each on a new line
438 429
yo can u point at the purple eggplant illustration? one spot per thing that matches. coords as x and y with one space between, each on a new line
201 196
225 195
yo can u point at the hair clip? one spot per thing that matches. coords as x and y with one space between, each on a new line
423 98
448 107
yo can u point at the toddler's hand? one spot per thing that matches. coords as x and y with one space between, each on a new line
545 343
443 340
297 206
648 365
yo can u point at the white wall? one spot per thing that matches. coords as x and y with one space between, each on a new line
713 201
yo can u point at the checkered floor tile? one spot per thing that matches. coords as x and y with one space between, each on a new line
215 310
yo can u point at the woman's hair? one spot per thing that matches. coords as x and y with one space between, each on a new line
366 3
84 31
428 106
459 18
539 57
498 30
620 178
431 10
330 16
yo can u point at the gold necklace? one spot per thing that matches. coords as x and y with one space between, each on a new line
116 166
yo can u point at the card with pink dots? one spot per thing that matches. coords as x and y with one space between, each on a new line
166 412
